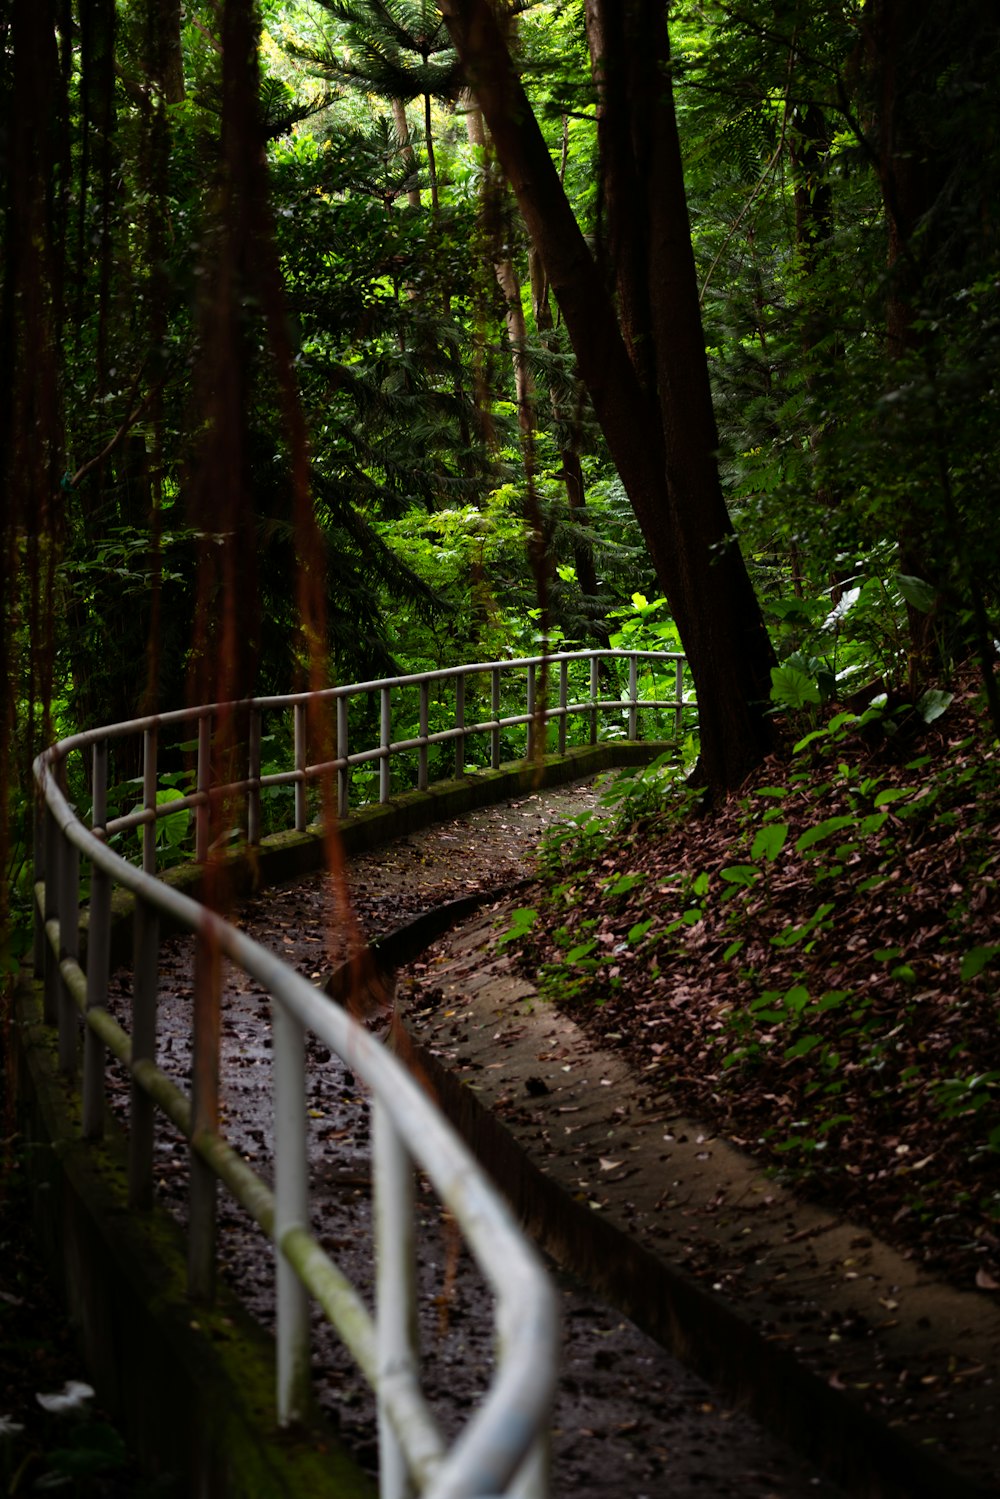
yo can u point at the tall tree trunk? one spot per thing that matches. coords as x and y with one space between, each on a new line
169 19
506 273
655 413
905 62
406 147
809 144
572 469
431 158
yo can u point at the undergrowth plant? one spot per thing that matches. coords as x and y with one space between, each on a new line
784 910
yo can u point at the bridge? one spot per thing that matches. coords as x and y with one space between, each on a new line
430 743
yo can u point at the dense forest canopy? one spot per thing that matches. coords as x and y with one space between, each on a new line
342 336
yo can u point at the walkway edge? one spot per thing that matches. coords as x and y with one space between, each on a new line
712 1335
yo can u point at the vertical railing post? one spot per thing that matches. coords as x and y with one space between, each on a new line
145 966
595 688
495 710
679 710
204 1111
291 1210
425 719
98 950
69 947
254 732
343 749
633 697
460 724
563 703
38 875
149 800
300 766
385 740
532 1481
395 1313
530 709
203 783
53 888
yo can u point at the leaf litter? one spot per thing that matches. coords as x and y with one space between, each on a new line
812 969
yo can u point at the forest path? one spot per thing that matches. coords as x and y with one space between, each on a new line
630 1418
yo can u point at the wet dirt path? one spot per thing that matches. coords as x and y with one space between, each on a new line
629 1419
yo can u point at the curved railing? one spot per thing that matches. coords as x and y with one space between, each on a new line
502 1448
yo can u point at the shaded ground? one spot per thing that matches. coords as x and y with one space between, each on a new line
75 1450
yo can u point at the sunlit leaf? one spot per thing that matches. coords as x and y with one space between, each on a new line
822 830
769 841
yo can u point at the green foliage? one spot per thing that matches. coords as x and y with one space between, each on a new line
522 921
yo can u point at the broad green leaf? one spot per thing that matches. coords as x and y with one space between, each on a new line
171 829
175 825
769 841
792 688
803 1047
822 830
796 998
933 703
976 959
741 874
639 930
832 999
893 794
810 738
576 953
838 720
626 883
522 920
733 949
792 934
918 594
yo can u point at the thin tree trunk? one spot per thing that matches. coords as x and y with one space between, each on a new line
656 415
431 159
911 177
406 147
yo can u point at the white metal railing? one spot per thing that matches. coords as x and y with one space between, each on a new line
502 1449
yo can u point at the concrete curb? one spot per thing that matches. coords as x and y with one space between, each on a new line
809 1390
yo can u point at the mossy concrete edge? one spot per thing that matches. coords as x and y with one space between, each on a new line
284 857
192 1388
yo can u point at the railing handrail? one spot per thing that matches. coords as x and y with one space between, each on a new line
503 1442
275 702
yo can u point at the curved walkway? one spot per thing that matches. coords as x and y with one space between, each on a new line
885 1376
630 1417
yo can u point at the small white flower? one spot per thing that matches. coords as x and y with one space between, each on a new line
73 1396
9 1427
